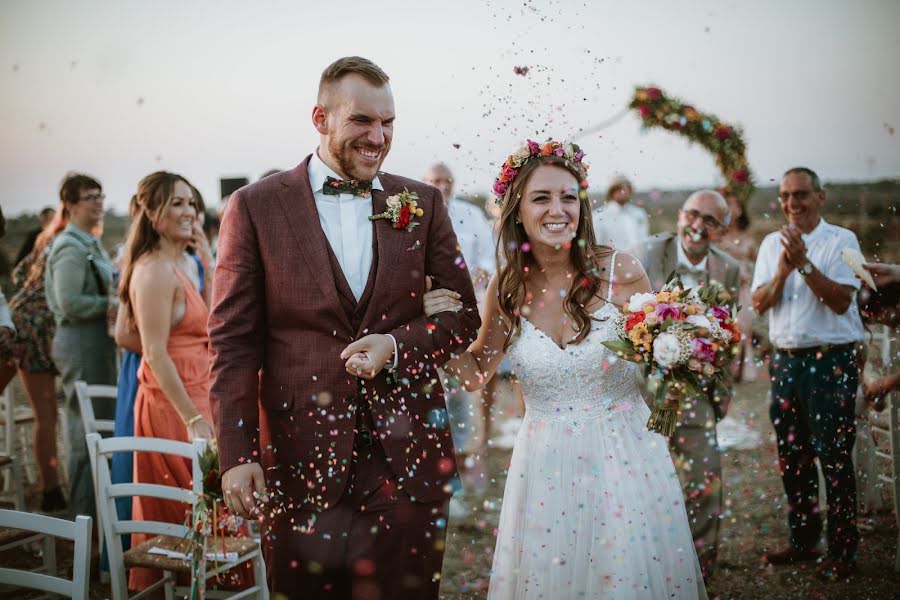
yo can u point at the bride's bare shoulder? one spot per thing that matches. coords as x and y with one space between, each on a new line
628 277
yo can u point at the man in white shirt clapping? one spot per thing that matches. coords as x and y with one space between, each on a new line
815 327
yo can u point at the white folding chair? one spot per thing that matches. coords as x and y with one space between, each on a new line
86 395
13 484
27 528
168 535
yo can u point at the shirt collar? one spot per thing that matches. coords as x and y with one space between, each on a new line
684 261
79 233
318 171
819 228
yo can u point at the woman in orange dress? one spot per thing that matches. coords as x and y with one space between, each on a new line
159 293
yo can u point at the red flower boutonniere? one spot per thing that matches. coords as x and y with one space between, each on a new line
401 209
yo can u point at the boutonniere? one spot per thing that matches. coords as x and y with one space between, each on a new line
401 209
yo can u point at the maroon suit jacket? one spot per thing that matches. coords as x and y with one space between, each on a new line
281 314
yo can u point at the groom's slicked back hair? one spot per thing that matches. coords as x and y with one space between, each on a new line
342 67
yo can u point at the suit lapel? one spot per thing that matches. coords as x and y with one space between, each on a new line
714 266
387 244
670 258
299 208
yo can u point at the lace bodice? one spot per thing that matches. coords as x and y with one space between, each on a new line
577 384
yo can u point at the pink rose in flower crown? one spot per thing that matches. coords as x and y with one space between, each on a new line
666 311
508 171
534 147
703 350
500 187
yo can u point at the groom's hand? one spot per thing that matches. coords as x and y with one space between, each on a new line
367 356
238 486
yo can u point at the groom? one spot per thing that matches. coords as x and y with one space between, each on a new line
316 316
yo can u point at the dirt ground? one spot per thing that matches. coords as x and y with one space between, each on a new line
754 520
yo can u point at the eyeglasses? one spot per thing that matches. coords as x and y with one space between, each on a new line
99 197
799 195
709 221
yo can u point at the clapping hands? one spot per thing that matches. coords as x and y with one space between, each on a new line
794 254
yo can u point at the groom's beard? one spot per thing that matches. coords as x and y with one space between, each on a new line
345 155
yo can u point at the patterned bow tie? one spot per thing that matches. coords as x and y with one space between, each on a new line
683 269
357 187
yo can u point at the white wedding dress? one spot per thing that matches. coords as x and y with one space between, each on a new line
593 507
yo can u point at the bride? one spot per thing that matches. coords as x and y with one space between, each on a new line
592 506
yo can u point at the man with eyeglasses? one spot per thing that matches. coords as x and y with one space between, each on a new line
815 327
702 219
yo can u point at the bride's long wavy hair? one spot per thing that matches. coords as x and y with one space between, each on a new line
515 263
154 195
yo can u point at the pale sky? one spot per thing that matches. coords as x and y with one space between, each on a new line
219 88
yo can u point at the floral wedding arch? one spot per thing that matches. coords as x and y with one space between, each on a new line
725 142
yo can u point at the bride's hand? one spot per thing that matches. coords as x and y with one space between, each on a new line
440 300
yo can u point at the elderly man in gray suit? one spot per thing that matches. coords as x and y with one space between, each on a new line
688 252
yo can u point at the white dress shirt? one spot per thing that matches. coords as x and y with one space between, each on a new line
345 220
799 319
473 234
690 274
620 226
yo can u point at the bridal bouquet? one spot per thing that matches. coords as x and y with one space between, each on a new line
684 338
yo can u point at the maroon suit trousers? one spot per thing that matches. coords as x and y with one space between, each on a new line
374 544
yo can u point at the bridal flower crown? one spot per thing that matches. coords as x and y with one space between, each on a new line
570 152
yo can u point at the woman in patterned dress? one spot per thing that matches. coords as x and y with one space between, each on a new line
35 328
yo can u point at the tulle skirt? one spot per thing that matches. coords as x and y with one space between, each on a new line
593 509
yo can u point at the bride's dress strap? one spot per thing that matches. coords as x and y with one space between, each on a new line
612 270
